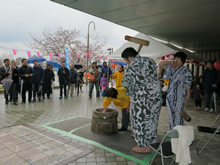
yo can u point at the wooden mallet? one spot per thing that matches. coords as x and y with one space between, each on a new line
138 41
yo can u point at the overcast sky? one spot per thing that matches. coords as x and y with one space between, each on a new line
18 18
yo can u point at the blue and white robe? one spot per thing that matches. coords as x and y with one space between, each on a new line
143 87
179 79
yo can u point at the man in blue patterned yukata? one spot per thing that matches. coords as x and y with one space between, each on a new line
178 92
143 87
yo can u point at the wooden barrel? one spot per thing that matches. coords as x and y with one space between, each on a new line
104 123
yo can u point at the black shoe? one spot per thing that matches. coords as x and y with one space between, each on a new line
90 97
15 103
34 100
122 129
48 97
6 102
44 97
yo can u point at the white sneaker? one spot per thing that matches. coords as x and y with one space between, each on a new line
206 110
211 110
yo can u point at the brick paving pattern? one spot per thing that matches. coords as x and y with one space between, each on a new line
51 110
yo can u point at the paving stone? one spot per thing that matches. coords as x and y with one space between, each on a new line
120 159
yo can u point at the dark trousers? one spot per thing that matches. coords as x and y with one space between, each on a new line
209 101
17 90
164 96
62 86
198 102
46 89
27 86
36 90
91 86
125 118
11 92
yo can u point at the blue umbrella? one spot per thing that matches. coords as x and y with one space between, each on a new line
119 63
38 58
54 64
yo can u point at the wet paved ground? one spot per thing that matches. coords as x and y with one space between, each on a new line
52 110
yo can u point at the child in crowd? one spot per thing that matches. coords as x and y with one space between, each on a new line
80 81
198 97
103 81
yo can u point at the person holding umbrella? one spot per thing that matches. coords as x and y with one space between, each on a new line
26 73
37 80
63 74
9 87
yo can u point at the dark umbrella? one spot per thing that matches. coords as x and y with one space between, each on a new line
38 58
78 66
7 84
54 64
99 65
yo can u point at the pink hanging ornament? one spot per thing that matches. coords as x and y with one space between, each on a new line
77 56
69 55
99 56
91 55
59 55
28 53
38 54
106 57
50 56
85 54
15 51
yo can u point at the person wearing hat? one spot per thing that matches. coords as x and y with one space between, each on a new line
48 78
94 70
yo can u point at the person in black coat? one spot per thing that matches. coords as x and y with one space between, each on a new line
209 81
37 80
48 78
6 72
15 78
80 81
72 79
63 74
26 73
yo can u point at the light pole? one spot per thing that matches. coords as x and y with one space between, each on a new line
108 63
110 50
88 49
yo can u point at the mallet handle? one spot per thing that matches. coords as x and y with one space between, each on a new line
137 40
